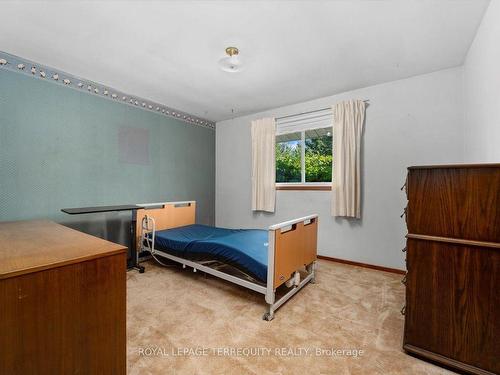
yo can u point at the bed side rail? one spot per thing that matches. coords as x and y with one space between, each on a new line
147 234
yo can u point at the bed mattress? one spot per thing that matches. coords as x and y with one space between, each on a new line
245 249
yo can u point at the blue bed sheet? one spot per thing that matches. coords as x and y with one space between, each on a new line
245 249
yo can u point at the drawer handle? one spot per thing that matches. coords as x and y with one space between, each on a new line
403 310
404 212
404 250
404 280
405 186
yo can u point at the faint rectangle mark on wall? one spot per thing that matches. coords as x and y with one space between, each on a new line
133 145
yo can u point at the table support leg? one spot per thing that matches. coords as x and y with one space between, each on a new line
134 261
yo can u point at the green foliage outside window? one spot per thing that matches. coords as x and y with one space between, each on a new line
318 157
288 162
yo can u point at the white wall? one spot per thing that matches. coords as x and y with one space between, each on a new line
418 120
482 91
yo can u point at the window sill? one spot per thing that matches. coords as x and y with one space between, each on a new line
323 187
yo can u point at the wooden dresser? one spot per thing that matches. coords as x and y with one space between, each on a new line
62 301
452 313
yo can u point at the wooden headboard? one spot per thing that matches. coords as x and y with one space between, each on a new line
166 215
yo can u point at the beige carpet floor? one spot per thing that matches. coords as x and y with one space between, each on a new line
180 322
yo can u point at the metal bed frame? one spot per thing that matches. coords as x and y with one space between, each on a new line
147 241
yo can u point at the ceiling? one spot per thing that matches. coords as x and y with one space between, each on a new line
293 51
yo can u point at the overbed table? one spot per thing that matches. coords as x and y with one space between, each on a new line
133 263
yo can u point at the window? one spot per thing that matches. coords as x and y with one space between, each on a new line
289 157
304 158
318 155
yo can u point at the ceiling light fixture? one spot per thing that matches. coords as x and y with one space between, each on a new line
232 62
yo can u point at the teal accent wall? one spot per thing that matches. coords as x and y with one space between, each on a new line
59 148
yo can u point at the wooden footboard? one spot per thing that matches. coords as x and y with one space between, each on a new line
295 246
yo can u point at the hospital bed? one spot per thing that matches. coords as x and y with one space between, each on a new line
283 256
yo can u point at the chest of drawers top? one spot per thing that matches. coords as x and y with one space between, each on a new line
455 201
30 246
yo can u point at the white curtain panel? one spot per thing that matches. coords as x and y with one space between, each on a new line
348 119
263 165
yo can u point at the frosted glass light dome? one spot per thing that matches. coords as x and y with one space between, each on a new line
232 62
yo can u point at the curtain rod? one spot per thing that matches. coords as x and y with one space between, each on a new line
316 110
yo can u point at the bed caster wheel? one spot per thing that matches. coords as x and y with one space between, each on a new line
268 316
141 269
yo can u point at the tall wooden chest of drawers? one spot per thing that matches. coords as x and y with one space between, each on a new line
453 261
62 301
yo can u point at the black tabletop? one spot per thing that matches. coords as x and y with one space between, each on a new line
91 210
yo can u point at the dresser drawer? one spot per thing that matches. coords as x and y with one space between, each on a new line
455 202
452 301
